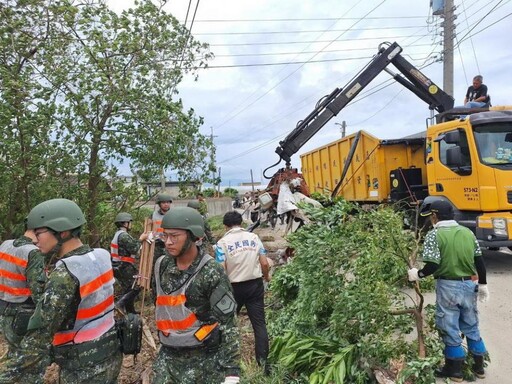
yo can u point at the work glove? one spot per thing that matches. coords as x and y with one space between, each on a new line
412 274
231 380
483 293
150 238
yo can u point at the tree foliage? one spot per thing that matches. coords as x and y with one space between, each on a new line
341 293
84 89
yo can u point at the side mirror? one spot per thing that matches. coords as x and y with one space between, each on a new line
454 157
452 137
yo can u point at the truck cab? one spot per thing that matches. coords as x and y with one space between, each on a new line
469 163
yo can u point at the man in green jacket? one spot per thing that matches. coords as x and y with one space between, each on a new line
452 255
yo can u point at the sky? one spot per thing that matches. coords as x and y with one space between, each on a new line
275 59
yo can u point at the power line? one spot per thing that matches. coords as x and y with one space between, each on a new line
294 71
306 19
300 31
394 37
304 62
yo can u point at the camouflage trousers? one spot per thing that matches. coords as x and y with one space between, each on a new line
187 367
13 340
124 272
101 363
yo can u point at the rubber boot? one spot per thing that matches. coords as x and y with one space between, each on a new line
452 369
478 366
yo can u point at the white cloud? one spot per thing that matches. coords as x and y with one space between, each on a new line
249 106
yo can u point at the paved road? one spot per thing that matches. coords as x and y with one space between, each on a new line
496 318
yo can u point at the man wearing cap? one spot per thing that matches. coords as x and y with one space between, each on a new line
452 255
124 250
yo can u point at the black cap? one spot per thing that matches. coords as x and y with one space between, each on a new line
442 207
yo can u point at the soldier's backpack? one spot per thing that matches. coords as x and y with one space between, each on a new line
129 330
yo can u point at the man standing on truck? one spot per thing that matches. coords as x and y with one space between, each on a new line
451 253
476 95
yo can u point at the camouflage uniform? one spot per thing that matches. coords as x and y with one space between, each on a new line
35 281
208 364
98 361
124 271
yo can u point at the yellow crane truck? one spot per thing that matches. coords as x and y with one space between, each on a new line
463 157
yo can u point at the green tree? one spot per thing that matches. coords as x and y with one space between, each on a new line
30 163
110 83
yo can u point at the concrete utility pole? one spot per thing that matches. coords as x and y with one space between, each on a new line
252 182
448 37
343 128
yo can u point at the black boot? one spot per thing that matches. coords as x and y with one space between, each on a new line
451 369
478 366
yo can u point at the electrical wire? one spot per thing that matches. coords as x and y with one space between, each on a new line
300 66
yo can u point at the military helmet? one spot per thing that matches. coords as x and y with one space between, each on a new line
123 217
184 218
161 197
57 214
194 204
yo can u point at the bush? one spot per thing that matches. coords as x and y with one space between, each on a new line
338 296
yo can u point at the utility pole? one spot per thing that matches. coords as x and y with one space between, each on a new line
252 182
448 37
212 155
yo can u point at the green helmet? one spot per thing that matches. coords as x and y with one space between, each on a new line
184 218
194 204
123 217
161 197
57 214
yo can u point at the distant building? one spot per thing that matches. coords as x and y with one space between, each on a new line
173 188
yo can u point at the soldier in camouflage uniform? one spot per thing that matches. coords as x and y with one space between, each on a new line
163 201
21 285
195 309
124 250
74 321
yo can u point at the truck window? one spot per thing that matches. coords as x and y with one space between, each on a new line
494 143
464 149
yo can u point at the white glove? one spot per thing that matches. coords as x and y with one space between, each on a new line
150 237
231 380
483 293
413 274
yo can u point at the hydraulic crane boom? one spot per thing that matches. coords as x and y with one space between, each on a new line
331 105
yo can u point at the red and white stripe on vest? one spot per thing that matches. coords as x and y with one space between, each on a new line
13 279
95 315
178 326
157 221
114 250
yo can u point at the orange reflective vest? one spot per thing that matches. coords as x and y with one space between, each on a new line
114 250
157 221
95 315
178 326
13 280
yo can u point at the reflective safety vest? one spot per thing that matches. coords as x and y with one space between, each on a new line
13 279
157 221
114 250
95 315
178 326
